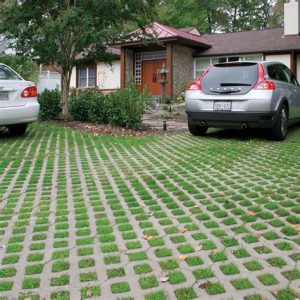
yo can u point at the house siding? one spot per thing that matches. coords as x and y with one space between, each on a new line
183 66
108 76
283 58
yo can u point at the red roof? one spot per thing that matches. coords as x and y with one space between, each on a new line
164 33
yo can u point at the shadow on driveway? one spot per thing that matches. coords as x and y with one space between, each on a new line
247 134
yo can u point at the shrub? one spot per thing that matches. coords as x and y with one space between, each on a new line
98 109
127 106
50 106
123 108
79 105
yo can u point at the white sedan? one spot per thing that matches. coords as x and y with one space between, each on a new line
18 101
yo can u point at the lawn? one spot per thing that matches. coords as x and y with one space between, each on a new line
170 217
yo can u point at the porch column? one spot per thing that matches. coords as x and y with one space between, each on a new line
169 66
123 68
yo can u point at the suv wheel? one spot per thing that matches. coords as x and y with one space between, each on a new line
197 130
279 131
18 129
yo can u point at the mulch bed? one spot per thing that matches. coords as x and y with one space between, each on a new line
99 129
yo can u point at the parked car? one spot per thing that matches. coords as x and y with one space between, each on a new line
244 95
18 101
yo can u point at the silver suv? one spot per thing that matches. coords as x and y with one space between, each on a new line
244 95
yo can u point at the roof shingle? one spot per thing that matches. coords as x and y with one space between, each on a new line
255 41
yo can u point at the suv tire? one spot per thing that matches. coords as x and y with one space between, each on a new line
18 129
197 130
279 131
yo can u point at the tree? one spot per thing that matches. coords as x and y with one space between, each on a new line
206 16
216 16
276 18
247 14
57 31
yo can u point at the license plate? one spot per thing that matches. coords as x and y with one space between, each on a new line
222 105
4 96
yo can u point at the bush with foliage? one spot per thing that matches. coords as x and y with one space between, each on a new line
123 108
127 106
50 104
79 105
98 109
25 66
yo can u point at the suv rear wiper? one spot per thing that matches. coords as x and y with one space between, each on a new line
234 84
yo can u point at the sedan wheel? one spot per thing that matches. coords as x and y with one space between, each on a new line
18 129
280 129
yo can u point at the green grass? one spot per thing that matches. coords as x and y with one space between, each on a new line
185 294
60 280
163 252
6 286
276 262
111 273
203 273
30 283
7 272
229 269
285 294
142 269
120 287
267 279
194 261
61 265
176 277
253 265
156 296
62 295
90 292
148 282
214 288
135 197
292 275
242 284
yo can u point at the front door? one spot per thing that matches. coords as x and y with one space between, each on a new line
150 75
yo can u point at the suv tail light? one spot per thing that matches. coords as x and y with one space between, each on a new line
262 83
196 85
29 92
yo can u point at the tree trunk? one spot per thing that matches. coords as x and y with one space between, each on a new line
65 90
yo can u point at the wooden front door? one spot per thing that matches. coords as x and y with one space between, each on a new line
150 77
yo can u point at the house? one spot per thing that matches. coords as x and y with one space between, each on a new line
186 54
101 75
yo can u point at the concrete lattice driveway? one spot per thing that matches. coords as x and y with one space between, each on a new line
172 217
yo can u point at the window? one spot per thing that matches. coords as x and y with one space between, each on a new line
8 74
276 72
87 76
202 63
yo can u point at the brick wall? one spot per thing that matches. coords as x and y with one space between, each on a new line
183 68
129 58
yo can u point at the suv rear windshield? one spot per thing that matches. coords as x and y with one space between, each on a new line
236 78
8 74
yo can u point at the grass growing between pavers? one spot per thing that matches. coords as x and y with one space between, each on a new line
130 216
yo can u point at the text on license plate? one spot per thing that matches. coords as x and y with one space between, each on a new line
3 96
222 105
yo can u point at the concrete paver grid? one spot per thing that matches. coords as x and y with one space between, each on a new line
165 218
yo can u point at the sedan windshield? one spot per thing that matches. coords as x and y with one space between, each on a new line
8 74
